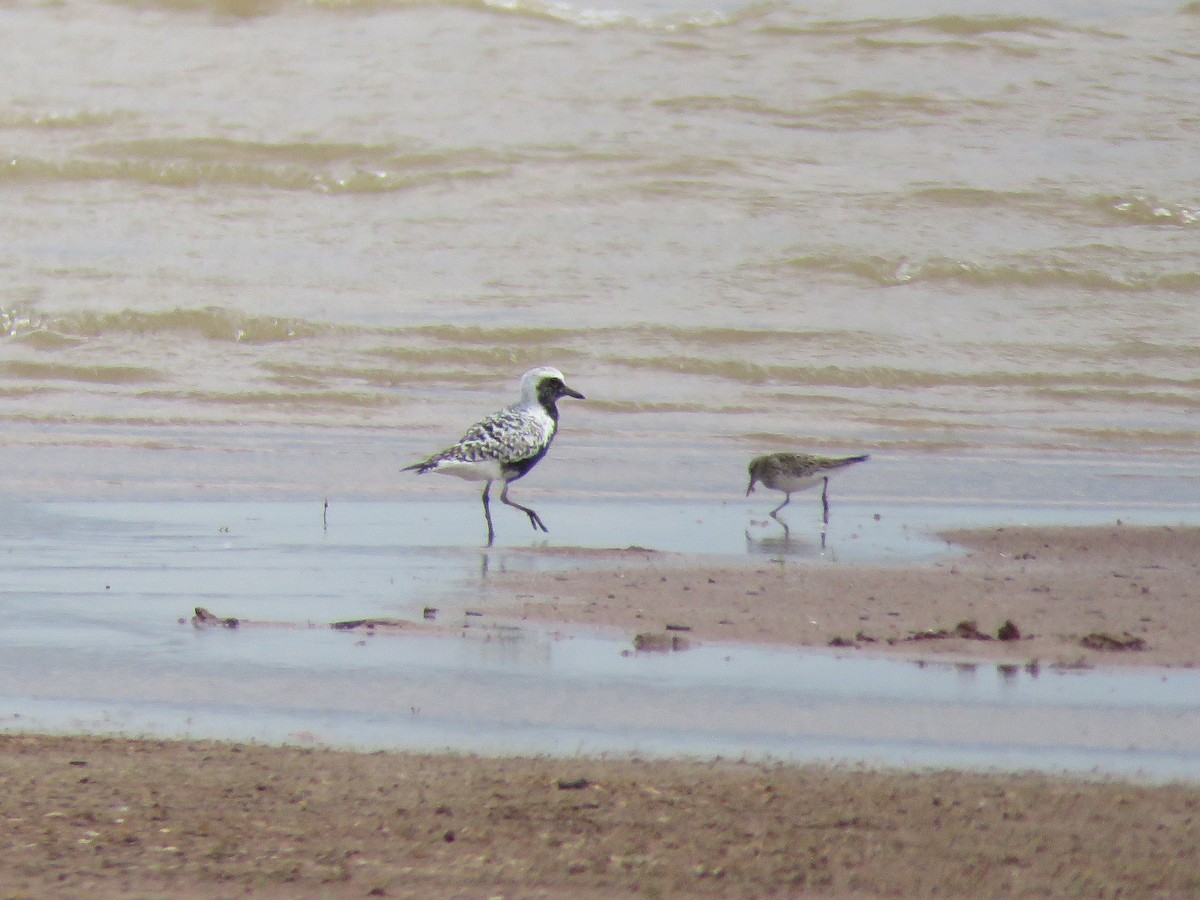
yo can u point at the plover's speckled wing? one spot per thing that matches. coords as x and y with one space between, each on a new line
508 438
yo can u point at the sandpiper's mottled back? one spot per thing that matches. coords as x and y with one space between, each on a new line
507 444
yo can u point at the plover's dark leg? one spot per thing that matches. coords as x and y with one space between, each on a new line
487 514
534 519
824 510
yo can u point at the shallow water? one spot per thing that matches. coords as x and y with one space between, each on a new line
94 636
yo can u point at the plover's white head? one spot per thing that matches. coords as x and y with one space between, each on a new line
543 386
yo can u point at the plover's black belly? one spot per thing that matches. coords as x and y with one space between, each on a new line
518 468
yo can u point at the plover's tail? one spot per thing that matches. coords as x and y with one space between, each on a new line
425 465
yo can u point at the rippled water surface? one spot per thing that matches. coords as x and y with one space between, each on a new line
917 228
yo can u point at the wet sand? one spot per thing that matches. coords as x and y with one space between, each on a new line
1062 596
111 817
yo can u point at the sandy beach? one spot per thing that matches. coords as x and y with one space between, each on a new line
107 817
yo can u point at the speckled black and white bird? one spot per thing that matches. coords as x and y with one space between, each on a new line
791 472
507 444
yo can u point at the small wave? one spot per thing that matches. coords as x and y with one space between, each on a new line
478 335
449 357
660 407
604 17
740 371
627 334
960 25
1134 349
1006 48
948 25
286 399
239 9
112 375
18 322
741 105
1048 272
633 334
211 323
1184 399
1057 204
79 119
441 346
836 377
584 15
47 340
876 110
1163 440
1145 210
326 168
961 197
507 346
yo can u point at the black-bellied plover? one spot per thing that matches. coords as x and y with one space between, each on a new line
506 445
790 472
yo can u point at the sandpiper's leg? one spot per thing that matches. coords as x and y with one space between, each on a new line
534 519
786 500
487 514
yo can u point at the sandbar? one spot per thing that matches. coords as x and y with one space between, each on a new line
1054 596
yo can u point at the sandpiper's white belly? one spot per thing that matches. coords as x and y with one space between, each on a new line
790 483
